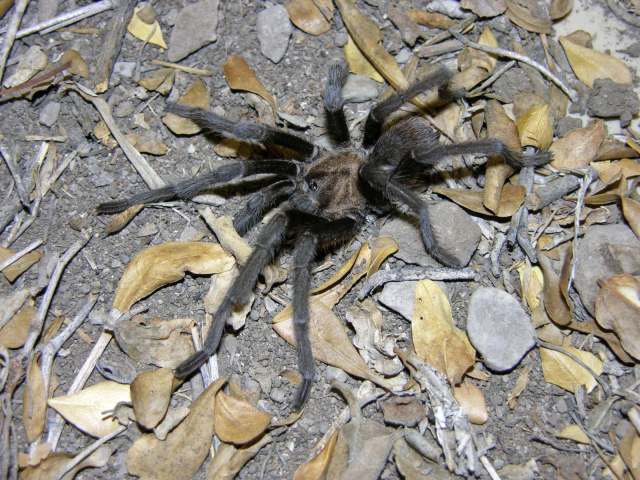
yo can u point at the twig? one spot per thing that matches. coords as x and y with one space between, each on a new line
479 90
589 176
85 452
490 470
18 255
65 19
414 273
10 37
496 251
36 326
502 52
183 68
13 170
552 191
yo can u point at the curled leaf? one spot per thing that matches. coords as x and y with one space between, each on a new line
579 147
240 76
589 64
230 459
315 469
307 17
535 126
631 210
122 219
472 402
528 15
511 198
237 421
150 395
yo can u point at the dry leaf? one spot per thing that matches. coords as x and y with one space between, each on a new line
229 459
518 388
103 134
579 147
160 265
564 372
307 17
511 199
173 418
34 401
5 5
629 449
316 468
531 282
14 333
435 337
159 343
560 8
148 143
186 447
535 127
88 409
78 65
358 63
575 433
631 210
196 96
240 76
56 463
122 219
20 266
431 19
485 8
142 29
237 421
618 309
472 402
589 65
526 15
160 80
150 395
31 62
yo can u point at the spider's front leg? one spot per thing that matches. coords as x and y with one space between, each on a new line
334 104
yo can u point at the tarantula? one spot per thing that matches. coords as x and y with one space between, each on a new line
323 197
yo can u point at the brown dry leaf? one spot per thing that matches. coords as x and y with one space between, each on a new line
618 309
240 76
307 17
431 19
366 35
5 5
518 388
629 449
186 447
499 126
435 337
122 219
160 80
631 210
34 401
56 463
531 283
103 134
510 200
160 265
87 409
150 395
17 268
560 8
554 303
575 433
14 333
472 402
148 143
78 65
197 95
559 369
229 459
316 468
485 8
145 27
159 343
358 63
237 421
525 14
589 65
535 127
579 147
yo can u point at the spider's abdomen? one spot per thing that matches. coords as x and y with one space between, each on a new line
334 182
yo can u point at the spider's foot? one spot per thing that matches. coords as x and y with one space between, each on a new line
191 364
302 394
536 159
444 257
116 206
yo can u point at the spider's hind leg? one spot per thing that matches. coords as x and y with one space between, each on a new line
259 203
334 104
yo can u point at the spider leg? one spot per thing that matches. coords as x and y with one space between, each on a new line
259 203
403 138
190 188
377 116
334 103
431 154
245 131
267 244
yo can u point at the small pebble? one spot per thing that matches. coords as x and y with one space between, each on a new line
147 230
341 39
403 56
274 29
195 27
49 114
124 69
278 395
359 89
399 297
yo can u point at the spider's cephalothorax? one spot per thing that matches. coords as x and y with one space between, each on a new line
322 197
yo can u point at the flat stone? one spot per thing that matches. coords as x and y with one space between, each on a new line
405 231
274 29
124 69
499 328
608 99
399 297
49 114
195 27
604 251
359 88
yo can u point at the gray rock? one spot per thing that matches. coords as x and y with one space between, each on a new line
49 114
566 124
124 69
195 27
499 328
399 297
341 39
359 89
605 250
124 109
274 29
608 99
147 230
411 250
278 395
403 56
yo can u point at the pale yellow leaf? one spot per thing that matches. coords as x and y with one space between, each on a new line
564 372
307 16
535 127
575 433
88 409
142 30
358 63
589 64
237 421
150 395
518 388
531 283
316 468
579 147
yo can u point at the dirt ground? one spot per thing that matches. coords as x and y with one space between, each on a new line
256 354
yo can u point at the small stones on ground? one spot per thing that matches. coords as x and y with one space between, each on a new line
195 27
499 328
124 69
411 249
333 373
608 99
359 89
566 124
147 230
454 231
278 394
403 411
399 297
49 114
274 29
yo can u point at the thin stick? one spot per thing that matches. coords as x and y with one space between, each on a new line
18 255
13 170
489 468
84 453
183 68
10 37
502 52
497 74
586 181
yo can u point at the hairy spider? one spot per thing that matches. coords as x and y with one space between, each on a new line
323 197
